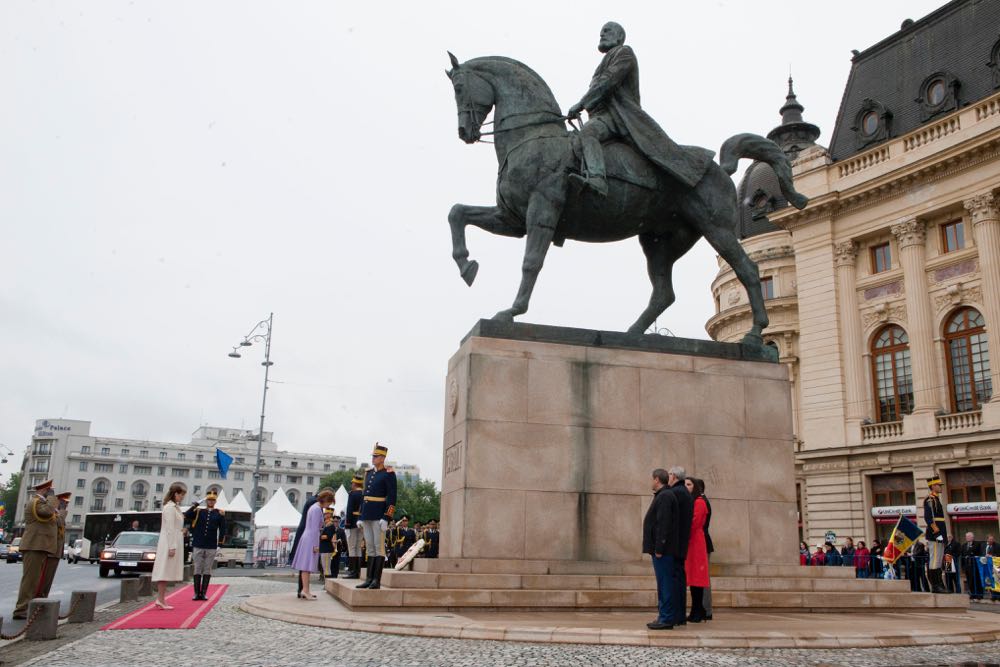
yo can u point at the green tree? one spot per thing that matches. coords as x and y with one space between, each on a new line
335 479
9 494
420 502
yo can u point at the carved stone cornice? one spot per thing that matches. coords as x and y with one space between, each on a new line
845 254
982 207
910 232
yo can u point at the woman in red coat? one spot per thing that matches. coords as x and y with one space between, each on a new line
696 563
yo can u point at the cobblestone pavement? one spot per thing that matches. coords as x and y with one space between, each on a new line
228 636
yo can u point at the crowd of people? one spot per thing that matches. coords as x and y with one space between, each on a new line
675 533
370 534
963 561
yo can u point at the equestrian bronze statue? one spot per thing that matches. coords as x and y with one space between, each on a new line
621 176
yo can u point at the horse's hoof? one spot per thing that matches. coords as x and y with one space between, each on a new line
469 272
799 201
635 330
504 316
753 338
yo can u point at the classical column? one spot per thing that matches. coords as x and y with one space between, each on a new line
911 236
985 214
845 259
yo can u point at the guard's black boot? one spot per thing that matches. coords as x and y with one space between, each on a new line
205 578
352 568
370 572
937 586
377 579
197 587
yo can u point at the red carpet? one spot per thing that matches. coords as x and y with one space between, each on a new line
186 613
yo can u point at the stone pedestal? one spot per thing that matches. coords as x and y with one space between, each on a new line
551 435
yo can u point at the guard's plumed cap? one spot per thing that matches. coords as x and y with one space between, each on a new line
359 479
65 495
380 450
932 481
44 486
211 495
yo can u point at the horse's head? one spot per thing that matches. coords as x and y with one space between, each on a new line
473 97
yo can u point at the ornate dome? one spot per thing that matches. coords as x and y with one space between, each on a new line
758 192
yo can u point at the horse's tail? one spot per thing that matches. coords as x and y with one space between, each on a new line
758 148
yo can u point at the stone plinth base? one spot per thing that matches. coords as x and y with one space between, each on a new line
532 585
551 434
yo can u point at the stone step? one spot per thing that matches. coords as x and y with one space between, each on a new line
427 580
640 568
455 598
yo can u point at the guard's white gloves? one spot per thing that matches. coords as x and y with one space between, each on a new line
361 524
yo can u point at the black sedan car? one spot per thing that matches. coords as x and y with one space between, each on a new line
129 552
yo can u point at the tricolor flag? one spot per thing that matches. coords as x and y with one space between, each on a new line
903 536
223 460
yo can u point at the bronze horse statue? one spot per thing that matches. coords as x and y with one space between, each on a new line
536 198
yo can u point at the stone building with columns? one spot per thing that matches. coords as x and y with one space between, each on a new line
884 292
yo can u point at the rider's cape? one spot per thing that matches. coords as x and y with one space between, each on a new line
614 90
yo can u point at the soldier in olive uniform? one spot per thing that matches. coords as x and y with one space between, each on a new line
378 506
935 533
40 540
52 562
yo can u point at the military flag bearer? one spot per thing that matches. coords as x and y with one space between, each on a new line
935 533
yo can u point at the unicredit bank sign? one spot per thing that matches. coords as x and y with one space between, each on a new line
972 508
894 510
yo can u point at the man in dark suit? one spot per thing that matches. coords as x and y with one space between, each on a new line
971 551
661 541
685 514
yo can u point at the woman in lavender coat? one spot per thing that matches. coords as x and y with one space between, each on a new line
306 559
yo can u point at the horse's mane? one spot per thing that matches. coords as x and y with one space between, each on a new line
488 64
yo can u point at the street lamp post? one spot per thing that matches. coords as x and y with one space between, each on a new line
247 341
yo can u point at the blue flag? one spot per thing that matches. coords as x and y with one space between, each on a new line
223 460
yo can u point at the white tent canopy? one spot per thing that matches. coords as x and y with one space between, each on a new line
278 511
239 504
340 501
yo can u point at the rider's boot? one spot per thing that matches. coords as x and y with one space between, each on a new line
593 158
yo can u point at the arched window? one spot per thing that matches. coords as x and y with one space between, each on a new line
968 360
891 374
101 486
293 498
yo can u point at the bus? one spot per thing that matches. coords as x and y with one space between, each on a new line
233 545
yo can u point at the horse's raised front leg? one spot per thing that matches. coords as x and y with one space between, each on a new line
544 210
489 218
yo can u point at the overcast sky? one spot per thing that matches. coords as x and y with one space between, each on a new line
171 172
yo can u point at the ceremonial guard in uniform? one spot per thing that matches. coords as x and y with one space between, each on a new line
354 499
936 531
39 541
433 537
328 546
377 508
208 525
392 541
52 562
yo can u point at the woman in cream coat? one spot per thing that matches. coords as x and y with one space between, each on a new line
169 564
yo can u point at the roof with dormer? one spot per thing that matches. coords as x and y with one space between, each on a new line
957 44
